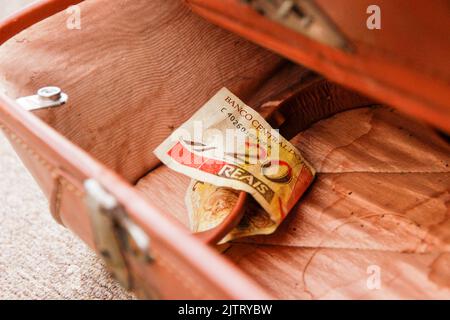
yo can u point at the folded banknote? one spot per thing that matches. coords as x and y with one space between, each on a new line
227 146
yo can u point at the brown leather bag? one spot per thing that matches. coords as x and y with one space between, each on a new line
138 69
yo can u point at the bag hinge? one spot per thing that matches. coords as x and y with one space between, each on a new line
302 16
116 236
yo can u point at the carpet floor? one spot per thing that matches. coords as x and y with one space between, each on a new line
40 259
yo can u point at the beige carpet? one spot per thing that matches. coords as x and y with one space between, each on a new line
38 258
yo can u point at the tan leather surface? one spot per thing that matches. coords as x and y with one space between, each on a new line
381 197
403 64
131 83
325 273
161 91
147 61
33 13
311 100
178 270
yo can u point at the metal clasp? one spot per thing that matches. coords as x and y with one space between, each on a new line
303 16
116 236
46 97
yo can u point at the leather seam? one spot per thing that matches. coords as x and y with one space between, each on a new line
55 198
58 198
52 169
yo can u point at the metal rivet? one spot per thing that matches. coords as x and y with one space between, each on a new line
49 93
46 97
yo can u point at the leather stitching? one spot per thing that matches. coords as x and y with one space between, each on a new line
55 199
42 161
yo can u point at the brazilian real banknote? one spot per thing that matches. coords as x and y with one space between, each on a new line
227 146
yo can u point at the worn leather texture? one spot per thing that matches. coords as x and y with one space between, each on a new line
380 202
60 167
135 71
402 64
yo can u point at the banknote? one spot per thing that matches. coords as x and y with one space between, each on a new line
228 144
208 205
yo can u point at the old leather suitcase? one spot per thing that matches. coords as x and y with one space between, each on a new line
135 70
